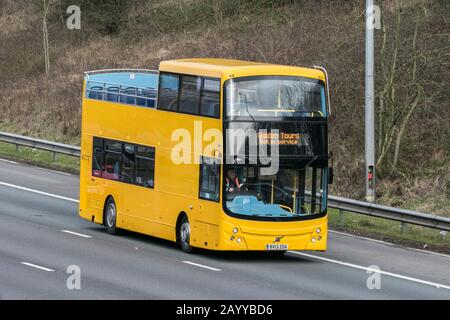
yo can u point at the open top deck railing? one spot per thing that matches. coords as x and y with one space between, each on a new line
126 86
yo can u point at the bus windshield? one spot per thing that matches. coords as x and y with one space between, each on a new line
274 96
291 193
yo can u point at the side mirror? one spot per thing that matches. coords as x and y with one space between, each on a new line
330 175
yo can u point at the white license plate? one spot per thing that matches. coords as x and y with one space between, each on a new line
278 246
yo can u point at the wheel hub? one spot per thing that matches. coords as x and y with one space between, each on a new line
185 232
111 215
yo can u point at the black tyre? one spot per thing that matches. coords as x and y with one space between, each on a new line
110 216
184 235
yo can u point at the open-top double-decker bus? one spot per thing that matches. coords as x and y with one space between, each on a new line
210 153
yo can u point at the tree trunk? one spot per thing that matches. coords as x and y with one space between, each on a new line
413 104
402 130
45 36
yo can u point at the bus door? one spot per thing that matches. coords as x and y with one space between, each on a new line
94 167
209 201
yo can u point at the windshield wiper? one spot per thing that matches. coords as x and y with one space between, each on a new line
246 106
312 160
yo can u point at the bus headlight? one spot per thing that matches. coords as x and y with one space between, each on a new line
318 230
238 240
235 230
313 240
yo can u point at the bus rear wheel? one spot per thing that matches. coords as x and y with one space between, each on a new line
184 235
110 216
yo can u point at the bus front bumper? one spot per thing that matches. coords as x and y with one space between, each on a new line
239 235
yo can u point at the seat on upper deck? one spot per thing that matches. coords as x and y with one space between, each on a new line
134 87
112 93
128 95
96 92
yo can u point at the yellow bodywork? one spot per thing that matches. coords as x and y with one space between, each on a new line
155 211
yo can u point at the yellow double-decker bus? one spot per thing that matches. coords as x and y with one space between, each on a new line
210 153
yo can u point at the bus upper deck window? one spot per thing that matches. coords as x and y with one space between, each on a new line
190 94
210 98
168 91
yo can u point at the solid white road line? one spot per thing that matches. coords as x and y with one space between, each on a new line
38 192
8 161
56 171
201 266
76 234
430 252
390 274
388 243
360 237
37 267
437 285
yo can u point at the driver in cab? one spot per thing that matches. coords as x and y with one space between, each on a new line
232 182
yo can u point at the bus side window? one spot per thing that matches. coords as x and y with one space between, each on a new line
209 179
128 164
114 146
145 166
169 85
97 163
190 94
210 98
97 157
113 165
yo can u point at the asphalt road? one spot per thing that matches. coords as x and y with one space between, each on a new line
41 235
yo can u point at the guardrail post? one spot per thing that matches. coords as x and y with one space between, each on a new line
17 148
341 216
402 227
54 156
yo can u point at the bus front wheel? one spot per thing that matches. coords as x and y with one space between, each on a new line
184 235
110 216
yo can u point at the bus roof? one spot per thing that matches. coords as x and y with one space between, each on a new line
228 68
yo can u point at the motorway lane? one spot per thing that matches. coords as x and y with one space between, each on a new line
116 269
136 266
39 178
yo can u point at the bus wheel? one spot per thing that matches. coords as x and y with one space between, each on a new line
184 235
110 216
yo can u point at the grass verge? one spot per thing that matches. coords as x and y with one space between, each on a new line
390 231
40 158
